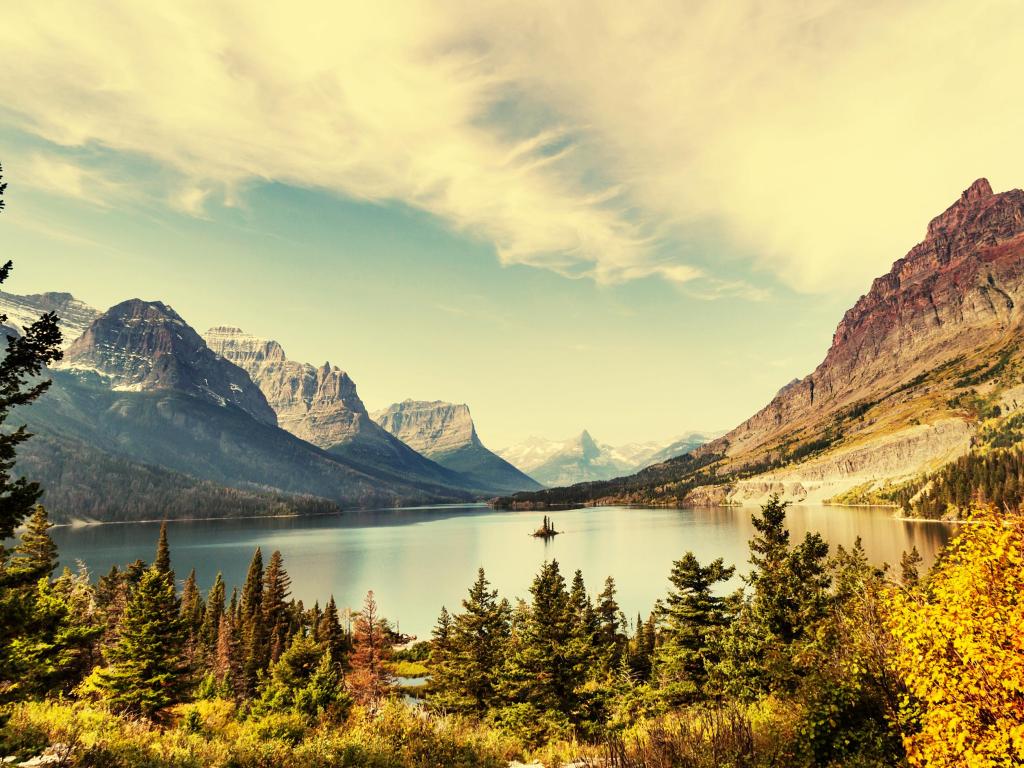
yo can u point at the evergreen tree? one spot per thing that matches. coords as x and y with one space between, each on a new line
328 630
162 562
276 619
471 654
610 640
546 664
212 614
146 669
693 617
369 679
305 680
20 367
35 556
192 617
251 628
910 564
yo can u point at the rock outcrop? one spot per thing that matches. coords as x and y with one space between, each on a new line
445 432
321 405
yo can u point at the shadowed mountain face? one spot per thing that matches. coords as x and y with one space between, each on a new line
930 350
445 433
145 346
321 405
143 403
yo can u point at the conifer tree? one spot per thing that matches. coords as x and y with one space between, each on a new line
305 680
251 628
693 617
610 639
162 562
146 669
25 358
275 608
369 679
192 617
475 643
546 665
35 556
212 614
328 630
910 564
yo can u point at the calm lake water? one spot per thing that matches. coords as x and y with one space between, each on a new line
417 560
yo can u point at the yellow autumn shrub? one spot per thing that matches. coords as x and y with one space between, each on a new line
960 649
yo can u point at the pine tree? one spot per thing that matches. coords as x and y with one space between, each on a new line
305 680
328 630
546 665
212 614
693 618
35 556
192 617
910 564
253 632
146 669
20 367
474 645
369 679
610 640
275 608
162 562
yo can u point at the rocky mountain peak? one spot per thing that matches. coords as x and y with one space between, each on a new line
318 404
974 200
145 346
431 427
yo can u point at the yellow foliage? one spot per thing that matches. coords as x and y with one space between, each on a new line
961 649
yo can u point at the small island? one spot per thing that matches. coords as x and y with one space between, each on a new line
546 530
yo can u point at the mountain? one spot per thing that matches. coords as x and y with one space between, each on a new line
918 370
445 433
74 315
582 459
321 405
145 346
140 402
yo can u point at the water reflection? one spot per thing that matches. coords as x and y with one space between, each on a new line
417 560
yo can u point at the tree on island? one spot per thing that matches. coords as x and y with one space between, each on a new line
546 530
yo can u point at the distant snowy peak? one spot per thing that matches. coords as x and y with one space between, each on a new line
74 315
141 346
582 458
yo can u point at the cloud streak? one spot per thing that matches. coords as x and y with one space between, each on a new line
584 137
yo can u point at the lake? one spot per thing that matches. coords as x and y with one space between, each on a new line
417 560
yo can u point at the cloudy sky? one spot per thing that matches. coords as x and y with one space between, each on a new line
640 218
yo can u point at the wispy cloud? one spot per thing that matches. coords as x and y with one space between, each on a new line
571 136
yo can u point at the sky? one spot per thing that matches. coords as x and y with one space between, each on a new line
636 218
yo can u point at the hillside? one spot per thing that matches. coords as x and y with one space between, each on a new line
914 369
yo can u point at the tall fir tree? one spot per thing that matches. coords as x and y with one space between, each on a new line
693 618
192 616
212 613
146 669
162 561
475 649
251 628
35 556
610 640
276 615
